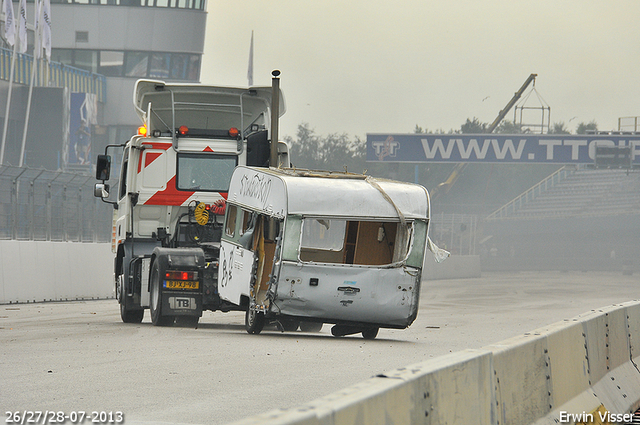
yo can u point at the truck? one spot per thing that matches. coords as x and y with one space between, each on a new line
172 189
301 248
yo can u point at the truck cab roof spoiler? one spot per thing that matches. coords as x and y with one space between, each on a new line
167 106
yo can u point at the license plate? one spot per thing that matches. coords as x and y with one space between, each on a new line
182 303
181 284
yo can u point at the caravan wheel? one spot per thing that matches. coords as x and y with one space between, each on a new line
254 321
370 333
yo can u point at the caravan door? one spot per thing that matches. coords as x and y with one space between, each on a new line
236 258
234 273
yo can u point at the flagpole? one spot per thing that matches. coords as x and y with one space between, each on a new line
250 67
7 110
37 51
26 118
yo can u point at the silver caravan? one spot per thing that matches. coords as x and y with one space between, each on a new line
303 248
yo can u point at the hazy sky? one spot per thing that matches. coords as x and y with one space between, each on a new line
362 67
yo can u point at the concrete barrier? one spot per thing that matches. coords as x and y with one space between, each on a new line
570 372
34 271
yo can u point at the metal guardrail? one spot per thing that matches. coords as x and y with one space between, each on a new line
51 206
52 74
512 206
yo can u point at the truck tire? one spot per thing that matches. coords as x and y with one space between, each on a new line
155 298
187 321
254 321
128 313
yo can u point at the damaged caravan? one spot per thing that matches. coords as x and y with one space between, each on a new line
304 248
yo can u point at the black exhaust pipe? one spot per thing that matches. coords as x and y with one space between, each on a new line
275 112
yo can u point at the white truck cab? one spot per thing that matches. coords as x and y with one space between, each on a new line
173 183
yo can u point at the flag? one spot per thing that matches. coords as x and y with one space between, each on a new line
37 34
46 28
9 22
22 26
250 68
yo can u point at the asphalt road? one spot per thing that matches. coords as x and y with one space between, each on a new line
79 356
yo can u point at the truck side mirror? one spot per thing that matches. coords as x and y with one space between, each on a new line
103 168
101 190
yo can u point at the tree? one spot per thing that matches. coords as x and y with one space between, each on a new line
420 130
559 128
473 126
587 128
334 152
510 127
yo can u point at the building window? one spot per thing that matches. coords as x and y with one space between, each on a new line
160 65
136 64
194 68
111 63
86 59
182 4
64 56
172 66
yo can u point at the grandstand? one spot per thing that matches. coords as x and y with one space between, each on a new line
572 192
575 219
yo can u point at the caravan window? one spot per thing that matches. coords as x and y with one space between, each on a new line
230 225
323 234
370 243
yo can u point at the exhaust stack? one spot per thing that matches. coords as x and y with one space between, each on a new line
275 112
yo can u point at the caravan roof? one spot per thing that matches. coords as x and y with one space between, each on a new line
287 191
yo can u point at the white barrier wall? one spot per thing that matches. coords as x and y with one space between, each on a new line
34 271
454 267
585 367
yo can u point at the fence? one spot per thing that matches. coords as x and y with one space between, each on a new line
455 232
52 74
51 206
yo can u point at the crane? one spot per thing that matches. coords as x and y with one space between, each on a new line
459 167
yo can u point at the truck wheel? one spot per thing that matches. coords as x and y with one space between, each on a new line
130 316
254 321
155 301
127 313
187 321
370 333
311 326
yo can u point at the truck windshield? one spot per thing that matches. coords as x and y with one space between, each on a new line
205 172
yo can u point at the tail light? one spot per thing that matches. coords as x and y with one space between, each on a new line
180 275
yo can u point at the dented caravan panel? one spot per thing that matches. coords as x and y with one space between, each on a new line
347 250
387 297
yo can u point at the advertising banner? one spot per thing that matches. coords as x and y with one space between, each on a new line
82 118
496 148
